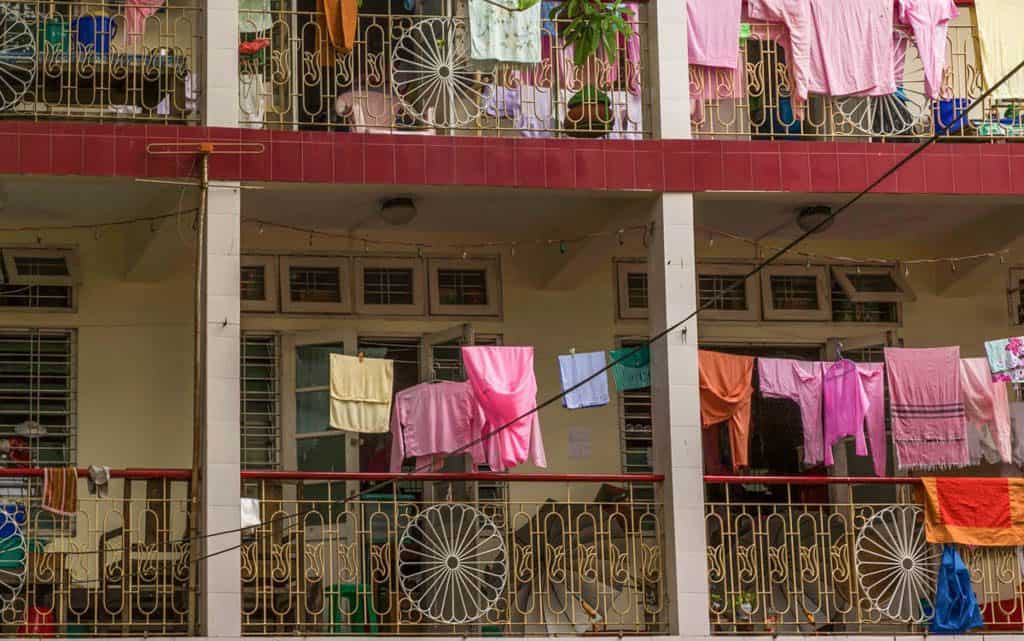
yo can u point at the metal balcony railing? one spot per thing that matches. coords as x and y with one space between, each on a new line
120 566
410 73
98 60
754 103
453 555
824 555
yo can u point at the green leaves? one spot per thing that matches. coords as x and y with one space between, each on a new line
593 26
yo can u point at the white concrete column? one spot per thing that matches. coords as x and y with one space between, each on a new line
669 76
676 412
219 82
221 574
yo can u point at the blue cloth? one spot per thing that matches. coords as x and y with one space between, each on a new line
951 112
548 25
577 367
956 607
635 371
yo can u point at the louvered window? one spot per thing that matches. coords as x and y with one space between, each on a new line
260 398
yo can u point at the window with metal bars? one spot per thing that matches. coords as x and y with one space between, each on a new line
28 266
794 292
636 432
388 286
636 290
724 292
314 284
253 283
260 402
37 405
845 310
37 296
462 286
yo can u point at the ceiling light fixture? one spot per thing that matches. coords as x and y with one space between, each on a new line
397 211
810 217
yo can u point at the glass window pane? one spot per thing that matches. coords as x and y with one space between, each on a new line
312 411
872 283
323 454
313 364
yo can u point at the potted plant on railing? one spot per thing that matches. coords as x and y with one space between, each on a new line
591 27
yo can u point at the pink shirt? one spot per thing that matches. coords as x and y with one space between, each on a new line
713 32
929 20
846 404
798 40
799 381
872 379
855 46
986 403
435 418
504 384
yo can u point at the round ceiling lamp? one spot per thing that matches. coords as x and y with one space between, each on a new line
397 211
809 218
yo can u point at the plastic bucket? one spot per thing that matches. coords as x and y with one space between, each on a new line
94 33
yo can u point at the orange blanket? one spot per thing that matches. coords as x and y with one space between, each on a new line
337 20
974 511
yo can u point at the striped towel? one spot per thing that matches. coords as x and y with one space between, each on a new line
929 426
60 490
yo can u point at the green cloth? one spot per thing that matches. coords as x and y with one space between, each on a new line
635 371
744 31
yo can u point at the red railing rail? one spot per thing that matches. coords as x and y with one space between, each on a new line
811 480
266 475
130 474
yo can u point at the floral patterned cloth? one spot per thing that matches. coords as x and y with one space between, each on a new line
1006 359
504 36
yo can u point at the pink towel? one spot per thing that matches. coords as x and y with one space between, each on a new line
929 427
986 404
506 388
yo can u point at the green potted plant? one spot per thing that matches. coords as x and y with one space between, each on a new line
591 26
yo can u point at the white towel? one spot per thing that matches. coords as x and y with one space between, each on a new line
576 368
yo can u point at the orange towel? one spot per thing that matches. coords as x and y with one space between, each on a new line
725 392
338 20
974 511
60 490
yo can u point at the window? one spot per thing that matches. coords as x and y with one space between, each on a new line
465 287
315 284
632 289
260 412
636 433
730 298
258 284
845 310
1016 308
389 286
794 292
872 284
40 266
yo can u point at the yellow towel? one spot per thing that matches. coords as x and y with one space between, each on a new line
1001 44
361 393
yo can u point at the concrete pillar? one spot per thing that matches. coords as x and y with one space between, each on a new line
676 412
221 574
219 98
670 80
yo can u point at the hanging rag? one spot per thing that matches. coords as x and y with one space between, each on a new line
1000 44
254 16
432 419
135 14
60 490
250 513
929 427
575 368
1006 359
1017 425
338 20
853 52
505 386
361 393
956 606
800 382
986 405
500 35
987 512
713 32
872 378
98 480
846 405
929 21
725 393
634 372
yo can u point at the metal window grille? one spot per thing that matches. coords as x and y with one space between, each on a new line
41 266
462 286
845 310
314 284
636 290
253 282
714 289
260 412
794 292
387 286
37 296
